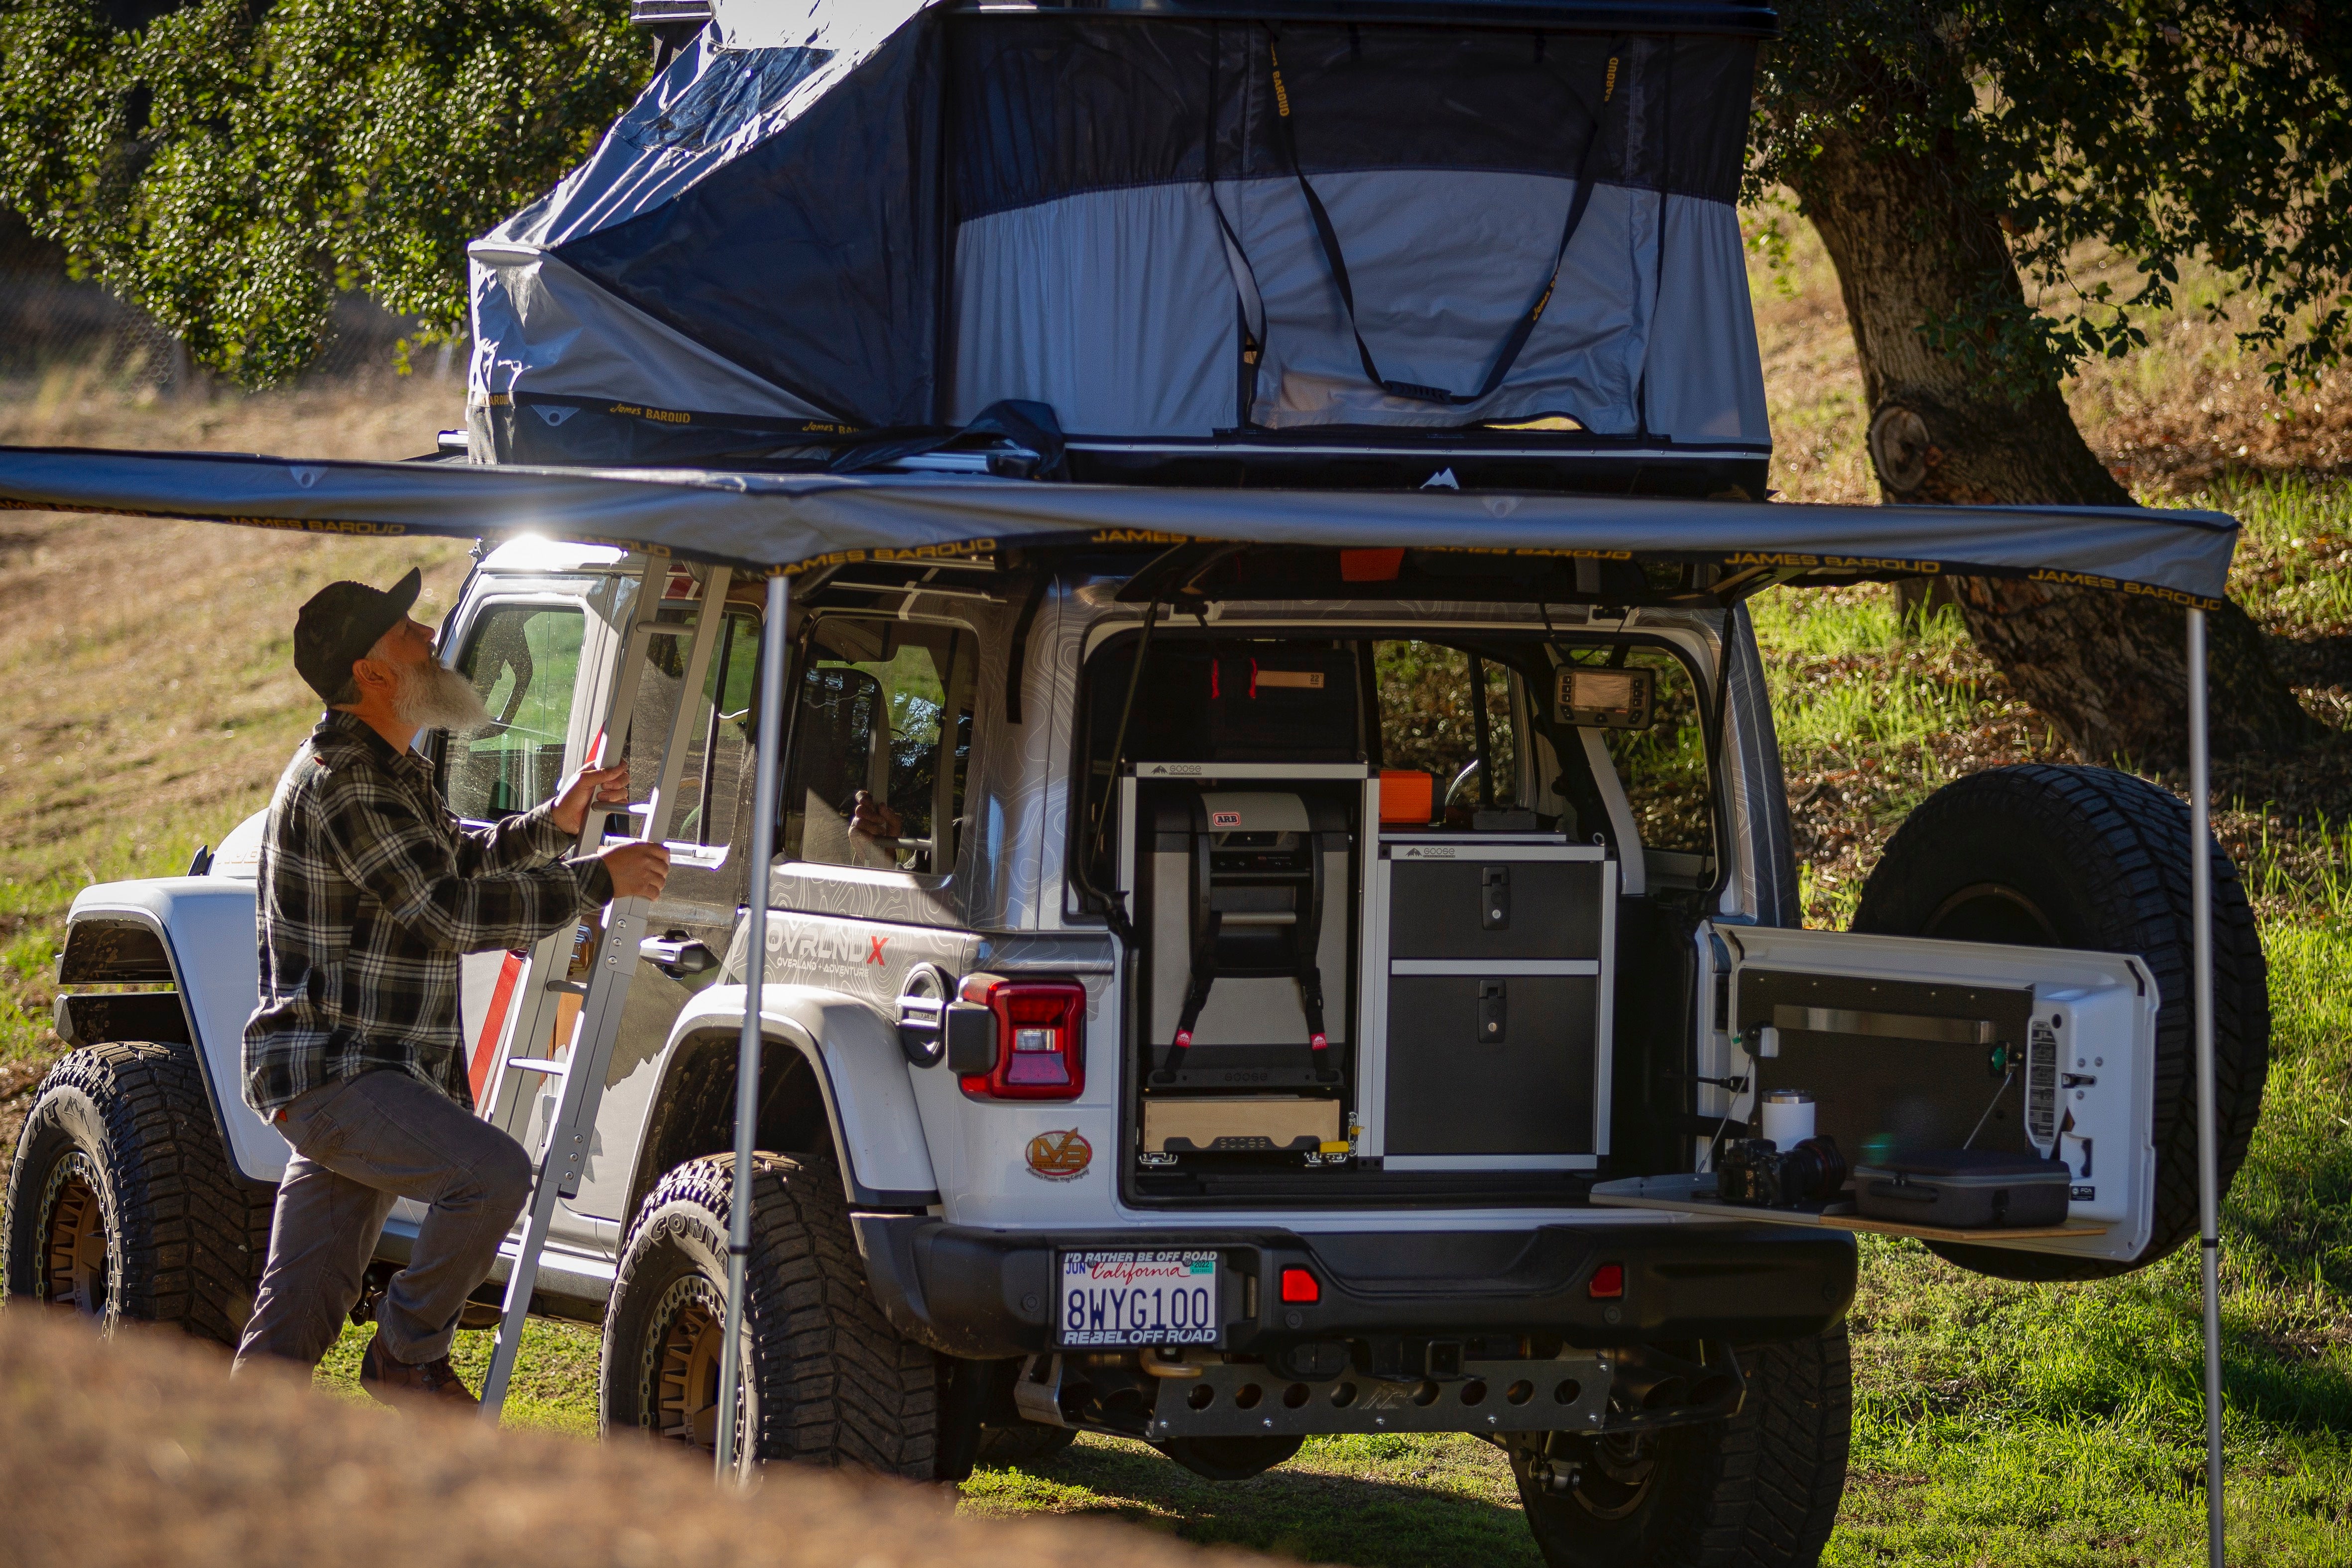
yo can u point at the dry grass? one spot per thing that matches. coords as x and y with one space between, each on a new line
138 1453
2186 412
147 693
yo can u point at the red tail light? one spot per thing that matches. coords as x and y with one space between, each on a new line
1040 1039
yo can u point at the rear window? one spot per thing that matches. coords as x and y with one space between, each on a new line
1477 715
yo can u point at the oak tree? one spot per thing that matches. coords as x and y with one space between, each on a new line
231 165
1957 160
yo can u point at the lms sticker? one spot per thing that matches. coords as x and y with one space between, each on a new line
1060 1156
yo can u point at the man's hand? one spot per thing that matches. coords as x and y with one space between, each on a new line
638 871
871 818
598 786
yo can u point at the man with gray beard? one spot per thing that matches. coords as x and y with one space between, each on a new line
370 891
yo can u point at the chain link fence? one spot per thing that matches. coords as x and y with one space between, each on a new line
50 321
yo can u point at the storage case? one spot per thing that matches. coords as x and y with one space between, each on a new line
1256 1124
1965 1189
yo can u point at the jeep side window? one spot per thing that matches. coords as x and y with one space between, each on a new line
1430 722
880 746
524 660
713 786
1664 769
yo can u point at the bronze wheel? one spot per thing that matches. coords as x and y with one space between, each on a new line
122 1203
1616 1474
827 1380
78 1256
678 1382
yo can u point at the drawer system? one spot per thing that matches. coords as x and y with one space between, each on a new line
1314 995
1489 1004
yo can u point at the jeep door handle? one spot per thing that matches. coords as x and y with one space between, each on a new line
677 956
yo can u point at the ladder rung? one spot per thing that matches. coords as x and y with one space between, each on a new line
537 1064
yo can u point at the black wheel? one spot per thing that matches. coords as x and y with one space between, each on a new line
1759 1491
1230 1458
122 1202
1027 1444
2093 859
826 1379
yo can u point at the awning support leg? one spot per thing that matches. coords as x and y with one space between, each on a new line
2209 1202
765 789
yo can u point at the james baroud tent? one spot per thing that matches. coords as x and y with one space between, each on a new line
1317 241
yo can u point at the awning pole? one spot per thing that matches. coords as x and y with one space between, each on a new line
764 792
2209 1197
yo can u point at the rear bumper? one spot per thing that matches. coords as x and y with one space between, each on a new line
989 1293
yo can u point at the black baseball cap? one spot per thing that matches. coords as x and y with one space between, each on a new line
341 622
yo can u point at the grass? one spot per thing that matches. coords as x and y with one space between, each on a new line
145 706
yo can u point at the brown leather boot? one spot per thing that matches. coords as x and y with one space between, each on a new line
392 1381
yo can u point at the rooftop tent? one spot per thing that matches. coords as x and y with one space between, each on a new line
1179 221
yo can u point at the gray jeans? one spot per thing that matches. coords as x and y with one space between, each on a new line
359 1145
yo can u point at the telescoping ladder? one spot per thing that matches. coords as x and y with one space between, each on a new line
613 964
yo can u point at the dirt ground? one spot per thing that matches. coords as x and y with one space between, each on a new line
139 1453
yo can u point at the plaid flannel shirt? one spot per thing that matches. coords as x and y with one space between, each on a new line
370 891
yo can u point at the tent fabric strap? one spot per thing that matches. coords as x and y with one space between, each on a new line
1328 236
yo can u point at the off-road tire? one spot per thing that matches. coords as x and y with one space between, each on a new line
1758 1491
123 1132
826 1380
1028 1445
2093 859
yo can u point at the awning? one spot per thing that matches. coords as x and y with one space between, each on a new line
792 522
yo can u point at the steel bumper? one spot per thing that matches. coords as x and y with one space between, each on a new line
981 1293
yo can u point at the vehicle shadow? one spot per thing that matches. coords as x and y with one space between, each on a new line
1419 1503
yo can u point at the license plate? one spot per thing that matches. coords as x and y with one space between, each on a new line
1119 1299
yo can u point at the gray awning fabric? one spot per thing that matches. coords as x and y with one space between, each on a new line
791 522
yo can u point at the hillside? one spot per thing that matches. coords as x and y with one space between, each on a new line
146 704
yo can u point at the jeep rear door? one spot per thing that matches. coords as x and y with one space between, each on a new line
1911 1045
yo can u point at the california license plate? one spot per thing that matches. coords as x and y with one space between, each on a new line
1118 1299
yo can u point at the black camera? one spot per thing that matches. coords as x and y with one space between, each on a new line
1760 1174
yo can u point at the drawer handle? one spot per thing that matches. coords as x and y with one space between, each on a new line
1495 897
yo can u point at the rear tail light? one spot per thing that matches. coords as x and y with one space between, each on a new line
1299 1287
1608 1282
1040 1039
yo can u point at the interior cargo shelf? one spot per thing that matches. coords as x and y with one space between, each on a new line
1689 1194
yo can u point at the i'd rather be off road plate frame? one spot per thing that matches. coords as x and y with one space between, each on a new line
1121 1299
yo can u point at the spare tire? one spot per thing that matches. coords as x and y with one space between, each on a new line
2089 858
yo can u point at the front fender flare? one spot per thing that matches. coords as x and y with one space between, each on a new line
853 1054
206 925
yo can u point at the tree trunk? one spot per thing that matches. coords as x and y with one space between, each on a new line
2108 670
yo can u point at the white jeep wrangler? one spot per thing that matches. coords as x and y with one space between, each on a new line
1260 994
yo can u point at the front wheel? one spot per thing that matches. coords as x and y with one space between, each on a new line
826 1380
122 1203
1758 1491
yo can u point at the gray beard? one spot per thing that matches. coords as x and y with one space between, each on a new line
434 697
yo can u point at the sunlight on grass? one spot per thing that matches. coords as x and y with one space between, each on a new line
2293 565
